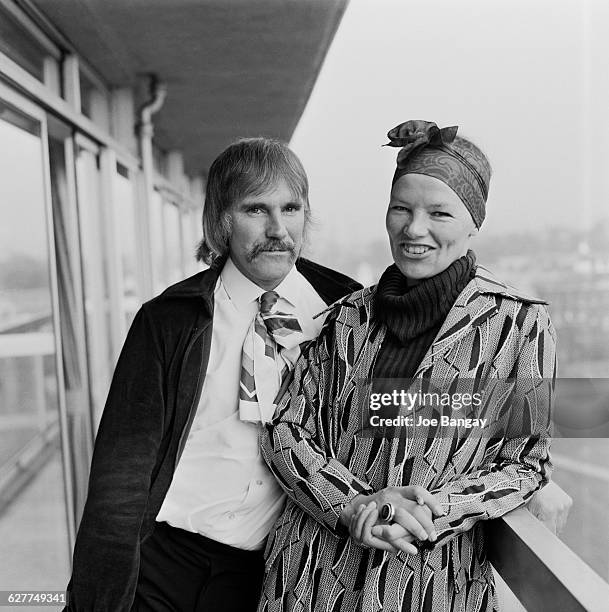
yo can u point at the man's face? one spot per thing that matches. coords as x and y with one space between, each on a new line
267 234
428 225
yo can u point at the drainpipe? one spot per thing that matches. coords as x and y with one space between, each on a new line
158 91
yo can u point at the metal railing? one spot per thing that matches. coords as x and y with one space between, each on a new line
22 468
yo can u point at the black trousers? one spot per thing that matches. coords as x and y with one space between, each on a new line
186 572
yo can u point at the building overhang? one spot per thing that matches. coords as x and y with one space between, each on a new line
233 67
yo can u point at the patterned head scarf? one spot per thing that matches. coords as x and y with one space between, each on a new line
440 153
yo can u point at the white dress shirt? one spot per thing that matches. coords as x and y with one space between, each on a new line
222 487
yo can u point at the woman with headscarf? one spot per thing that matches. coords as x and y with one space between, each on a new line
411 494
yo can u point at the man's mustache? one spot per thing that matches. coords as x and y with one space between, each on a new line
272 245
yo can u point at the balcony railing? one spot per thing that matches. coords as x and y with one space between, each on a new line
542 573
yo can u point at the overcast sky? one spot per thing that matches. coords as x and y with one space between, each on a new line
525 79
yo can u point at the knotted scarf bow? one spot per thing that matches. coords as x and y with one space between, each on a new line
415 134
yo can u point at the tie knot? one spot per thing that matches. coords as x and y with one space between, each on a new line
267 300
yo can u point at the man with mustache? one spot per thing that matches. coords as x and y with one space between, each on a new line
180 500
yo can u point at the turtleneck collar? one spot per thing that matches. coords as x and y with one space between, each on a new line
411 310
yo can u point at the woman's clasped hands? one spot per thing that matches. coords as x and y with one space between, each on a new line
394 519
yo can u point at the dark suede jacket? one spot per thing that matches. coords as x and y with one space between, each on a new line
151 404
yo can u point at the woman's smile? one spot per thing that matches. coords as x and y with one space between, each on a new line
416 251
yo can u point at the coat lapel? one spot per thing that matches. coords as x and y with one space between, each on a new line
474 305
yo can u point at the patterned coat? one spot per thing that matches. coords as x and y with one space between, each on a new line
317 450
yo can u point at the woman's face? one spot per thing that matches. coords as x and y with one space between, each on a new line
428 226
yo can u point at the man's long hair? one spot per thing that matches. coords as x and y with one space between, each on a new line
248 167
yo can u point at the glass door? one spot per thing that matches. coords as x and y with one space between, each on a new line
36 499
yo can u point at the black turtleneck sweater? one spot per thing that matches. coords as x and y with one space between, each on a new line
414 314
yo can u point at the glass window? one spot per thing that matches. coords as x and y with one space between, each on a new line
169 240
191 230
20 45
124 212
173 243
157 240
32 488
94 101
95 272
71 308
159 160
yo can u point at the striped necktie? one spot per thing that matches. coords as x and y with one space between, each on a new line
270 349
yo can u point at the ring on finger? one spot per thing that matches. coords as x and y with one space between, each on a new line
387 512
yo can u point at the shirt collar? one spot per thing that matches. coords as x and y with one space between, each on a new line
290 287
242 291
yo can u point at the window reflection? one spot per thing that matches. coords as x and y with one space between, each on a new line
32 505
